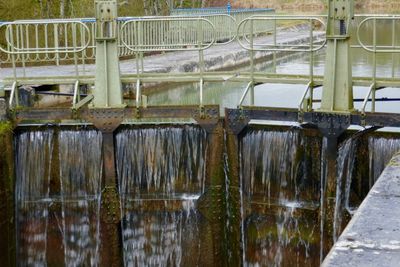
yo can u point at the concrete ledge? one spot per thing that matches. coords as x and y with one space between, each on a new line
3 109
372 238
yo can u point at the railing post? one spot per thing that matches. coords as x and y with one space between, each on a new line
252 62
108 89
337 95
374 67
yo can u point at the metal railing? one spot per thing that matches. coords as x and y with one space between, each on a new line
245 32
26 35
53 40
377 48
176 34
56 40
238 15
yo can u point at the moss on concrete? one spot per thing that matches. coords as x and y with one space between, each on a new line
7 225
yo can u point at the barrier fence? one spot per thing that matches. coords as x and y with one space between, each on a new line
72 40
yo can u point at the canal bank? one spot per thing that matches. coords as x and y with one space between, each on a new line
372 238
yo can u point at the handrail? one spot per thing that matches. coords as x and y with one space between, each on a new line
181 34
275 47
375 50
364 105
309 86
14 49
245 92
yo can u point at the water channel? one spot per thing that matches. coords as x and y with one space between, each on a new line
162 177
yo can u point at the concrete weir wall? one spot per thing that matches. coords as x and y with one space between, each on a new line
7 231
372 238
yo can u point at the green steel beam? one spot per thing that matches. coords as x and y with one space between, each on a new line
108 89
337 94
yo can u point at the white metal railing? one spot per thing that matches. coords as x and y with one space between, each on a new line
237 14
376 48
176 34
45 40
245 33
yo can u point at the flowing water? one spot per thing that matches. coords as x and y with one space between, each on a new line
381 151
281 196
58 211
161 175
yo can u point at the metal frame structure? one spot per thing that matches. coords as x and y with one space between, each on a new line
137 36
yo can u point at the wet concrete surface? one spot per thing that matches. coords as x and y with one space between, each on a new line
372 238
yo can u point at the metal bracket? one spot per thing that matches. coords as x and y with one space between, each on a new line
207 118
105 120
330 124
236 120
83 102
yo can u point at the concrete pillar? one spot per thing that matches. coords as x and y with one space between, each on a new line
3 105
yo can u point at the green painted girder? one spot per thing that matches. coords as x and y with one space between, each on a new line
337 94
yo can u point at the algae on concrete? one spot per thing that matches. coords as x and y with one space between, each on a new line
7 222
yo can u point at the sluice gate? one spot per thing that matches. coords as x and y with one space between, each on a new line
108 182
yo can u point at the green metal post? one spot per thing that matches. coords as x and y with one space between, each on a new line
337 96
108 89
336 104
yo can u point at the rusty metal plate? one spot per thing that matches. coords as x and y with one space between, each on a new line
106 120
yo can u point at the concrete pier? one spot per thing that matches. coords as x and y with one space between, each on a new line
372 238
3 109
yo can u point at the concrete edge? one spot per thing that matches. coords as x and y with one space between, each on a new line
372 238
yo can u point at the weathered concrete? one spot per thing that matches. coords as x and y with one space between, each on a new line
216 57
372 237
3 109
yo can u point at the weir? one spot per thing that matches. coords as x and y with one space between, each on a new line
112 181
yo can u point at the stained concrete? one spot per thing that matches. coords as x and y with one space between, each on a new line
372 238
3 109
216 57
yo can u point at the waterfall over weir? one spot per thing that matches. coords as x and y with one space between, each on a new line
381 150
281 189
162 181
161 175
58 207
